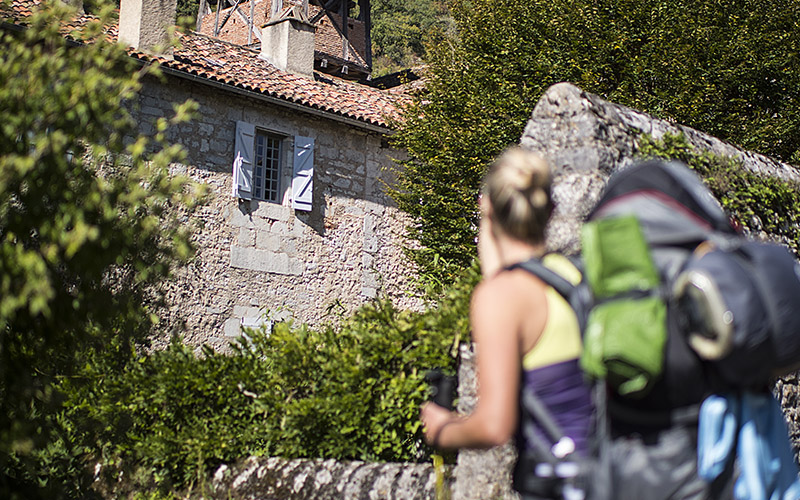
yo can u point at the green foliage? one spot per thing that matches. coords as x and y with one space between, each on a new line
475 104
728 72
399 31
351 392
84 237
758 204
188 8
171 412
187 12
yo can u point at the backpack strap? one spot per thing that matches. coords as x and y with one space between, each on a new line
578 296
550 277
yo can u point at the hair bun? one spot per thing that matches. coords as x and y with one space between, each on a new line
518 185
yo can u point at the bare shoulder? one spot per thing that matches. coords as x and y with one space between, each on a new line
509 289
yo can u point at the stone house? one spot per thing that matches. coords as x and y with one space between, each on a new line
299 224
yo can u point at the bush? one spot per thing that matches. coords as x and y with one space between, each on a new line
347 392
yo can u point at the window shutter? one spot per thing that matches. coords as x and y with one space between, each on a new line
243 160
303 178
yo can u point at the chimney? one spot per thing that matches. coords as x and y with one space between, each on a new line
145 24
287 41
77 4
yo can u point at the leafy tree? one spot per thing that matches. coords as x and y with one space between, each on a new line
727 71
189 8
89 225
399 31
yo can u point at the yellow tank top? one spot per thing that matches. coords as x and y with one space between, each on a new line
561 337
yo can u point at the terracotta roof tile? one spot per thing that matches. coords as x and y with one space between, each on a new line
241 67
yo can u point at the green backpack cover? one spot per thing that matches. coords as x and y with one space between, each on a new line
626 329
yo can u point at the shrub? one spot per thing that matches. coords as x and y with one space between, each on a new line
347 392
728 72
757 203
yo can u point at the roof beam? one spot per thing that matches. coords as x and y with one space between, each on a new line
250 22
218 28
364 16
344 11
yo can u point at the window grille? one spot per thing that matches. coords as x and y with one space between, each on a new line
267 167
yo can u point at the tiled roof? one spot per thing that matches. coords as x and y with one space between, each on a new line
237 66
242 67
19 10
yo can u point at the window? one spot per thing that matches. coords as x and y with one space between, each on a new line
258 162
267 167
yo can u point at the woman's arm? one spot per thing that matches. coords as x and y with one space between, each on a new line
497 315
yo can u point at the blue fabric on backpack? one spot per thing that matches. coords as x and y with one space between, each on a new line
718 427
753 423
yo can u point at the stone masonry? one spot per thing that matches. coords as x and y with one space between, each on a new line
258 261
276 479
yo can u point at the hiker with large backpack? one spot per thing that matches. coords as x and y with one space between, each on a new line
526 334
684 323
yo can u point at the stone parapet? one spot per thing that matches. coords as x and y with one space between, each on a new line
585 139
279 479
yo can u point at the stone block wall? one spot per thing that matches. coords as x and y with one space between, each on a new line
277 479
259 261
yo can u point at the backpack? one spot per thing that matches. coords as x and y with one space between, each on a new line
675 305
674 298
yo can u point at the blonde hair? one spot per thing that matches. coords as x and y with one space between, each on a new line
518 188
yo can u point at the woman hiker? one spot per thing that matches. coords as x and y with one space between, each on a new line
525 333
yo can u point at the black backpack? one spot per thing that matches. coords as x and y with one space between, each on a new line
731 304
727 308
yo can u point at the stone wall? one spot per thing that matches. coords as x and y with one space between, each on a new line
256 257
585 139
276 479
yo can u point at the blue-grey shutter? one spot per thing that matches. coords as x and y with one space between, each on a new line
243 158
303 177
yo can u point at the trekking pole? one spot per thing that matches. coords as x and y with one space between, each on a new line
442 393
438 468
